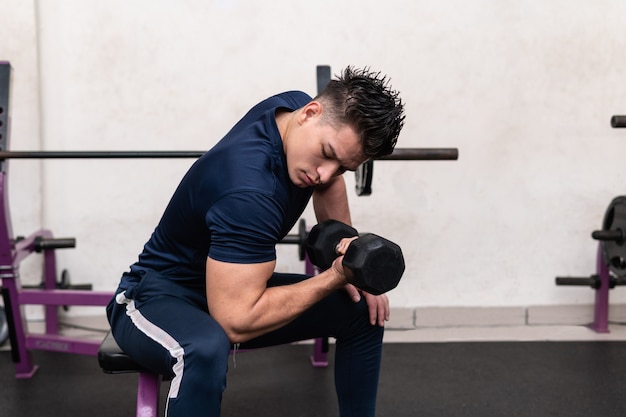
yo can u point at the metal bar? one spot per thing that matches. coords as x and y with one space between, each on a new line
291 240
323 77
608 235
577 281
5 89
601 307
50 283
399 154
422 154
22 357
618 121
65 297
98 154
59 343
148 394
25 247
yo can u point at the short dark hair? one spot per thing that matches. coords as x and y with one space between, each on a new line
364 100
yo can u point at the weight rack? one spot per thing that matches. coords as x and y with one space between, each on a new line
610 256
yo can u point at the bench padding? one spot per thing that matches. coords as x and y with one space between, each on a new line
113 360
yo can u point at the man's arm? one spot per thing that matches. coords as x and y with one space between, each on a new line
239 300
237 294
330 201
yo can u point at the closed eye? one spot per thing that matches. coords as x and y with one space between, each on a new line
331 154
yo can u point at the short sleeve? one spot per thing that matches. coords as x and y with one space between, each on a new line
245 228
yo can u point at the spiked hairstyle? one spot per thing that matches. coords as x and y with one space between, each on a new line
364 100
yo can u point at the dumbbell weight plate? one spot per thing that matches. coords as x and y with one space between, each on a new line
614 251
323 239
377 263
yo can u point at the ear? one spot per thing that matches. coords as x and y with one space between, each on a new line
310 111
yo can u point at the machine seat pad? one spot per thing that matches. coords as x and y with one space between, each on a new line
113 360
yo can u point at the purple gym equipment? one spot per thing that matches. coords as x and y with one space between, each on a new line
610 258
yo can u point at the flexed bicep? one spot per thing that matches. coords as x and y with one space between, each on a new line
233 293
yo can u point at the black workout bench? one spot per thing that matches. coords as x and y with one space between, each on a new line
113 360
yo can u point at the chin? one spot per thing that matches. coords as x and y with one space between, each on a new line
297 181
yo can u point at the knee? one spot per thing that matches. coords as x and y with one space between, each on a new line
209 352
205 363
359 324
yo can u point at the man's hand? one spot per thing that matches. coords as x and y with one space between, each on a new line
378 305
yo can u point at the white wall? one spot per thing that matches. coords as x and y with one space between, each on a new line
524 89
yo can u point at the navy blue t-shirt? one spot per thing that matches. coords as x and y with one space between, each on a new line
233 205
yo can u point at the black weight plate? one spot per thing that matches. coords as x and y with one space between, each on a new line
363 175
614 251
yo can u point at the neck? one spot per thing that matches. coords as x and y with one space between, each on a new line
283 122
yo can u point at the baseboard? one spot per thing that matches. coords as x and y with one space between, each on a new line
557 315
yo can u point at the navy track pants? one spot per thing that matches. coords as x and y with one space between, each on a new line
166 328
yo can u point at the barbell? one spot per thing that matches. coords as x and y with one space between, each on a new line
618 121
399 154
363 174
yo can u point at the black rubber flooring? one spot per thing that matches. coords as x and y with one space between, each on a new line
530 379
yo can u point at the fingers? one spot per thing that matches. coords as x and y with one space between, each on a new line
377 305
353 292
343 244
383 310
378 308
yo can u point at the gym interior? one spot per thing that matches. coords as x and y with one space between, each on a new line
504 193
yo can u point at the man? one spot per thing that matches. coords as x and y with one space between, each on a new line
205 280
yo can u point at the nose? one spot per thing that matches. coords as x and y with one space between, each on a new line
327 171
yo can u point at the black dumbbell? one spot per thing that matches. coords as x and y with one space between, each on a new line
376 263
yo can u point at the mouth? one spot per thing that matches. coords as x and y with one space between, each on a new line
308 181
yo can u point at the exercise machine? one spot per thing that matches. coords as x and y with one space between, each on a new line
610 256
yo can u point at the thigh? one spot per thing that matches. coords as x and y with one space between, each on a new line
160 332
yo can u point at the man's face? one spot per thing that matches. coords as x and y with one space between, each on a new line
317 151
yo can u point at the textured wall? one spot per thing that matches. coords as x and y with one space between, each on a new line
524 89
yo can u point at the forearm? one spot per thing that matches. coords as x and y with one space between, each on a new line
330 201
239 299
280 305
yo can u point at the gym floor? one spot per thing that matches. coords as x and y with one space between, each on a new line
448 371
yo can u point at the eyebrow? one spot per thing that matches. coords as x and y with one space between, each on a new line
333 154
